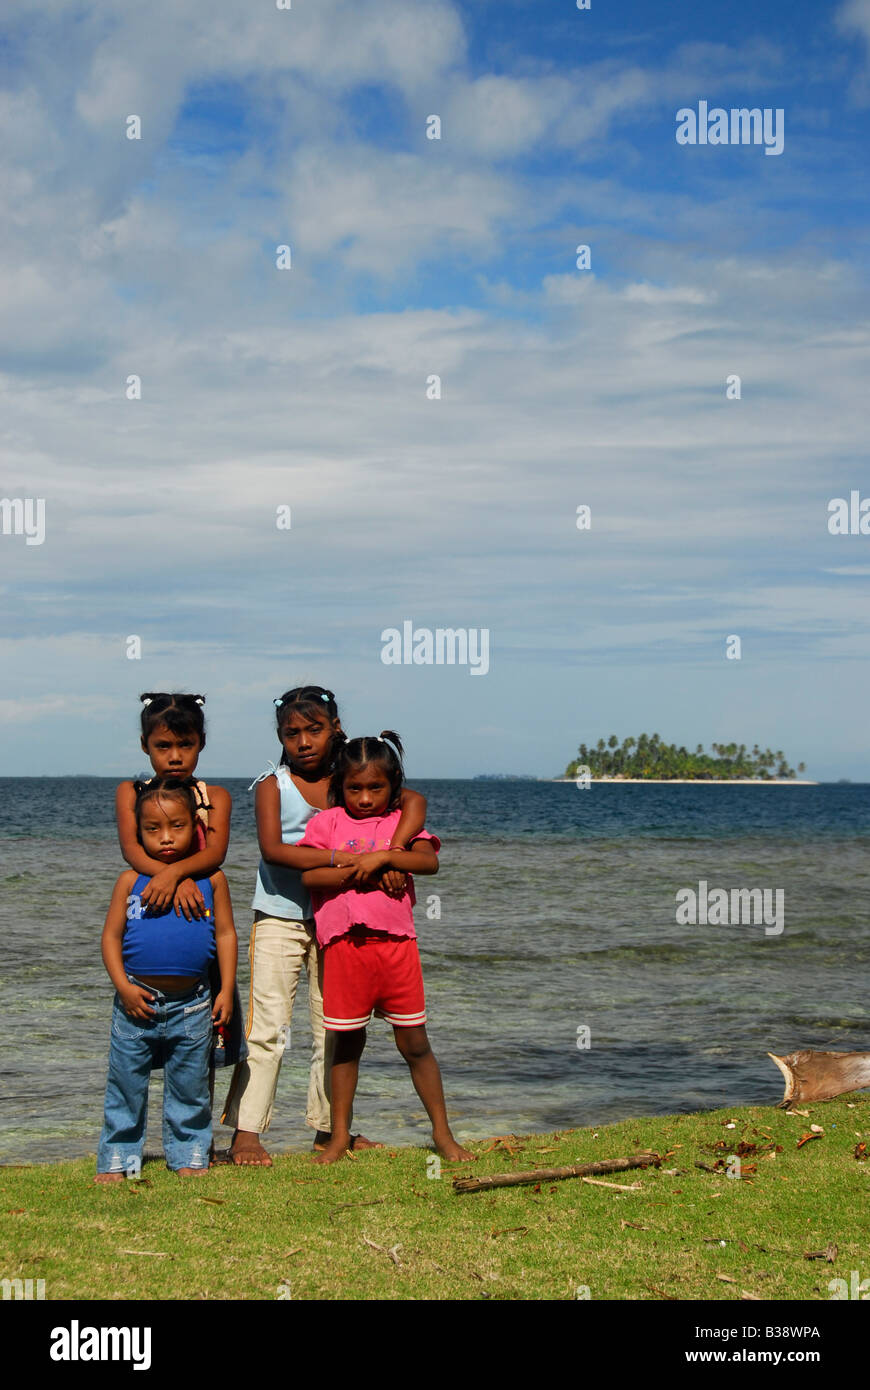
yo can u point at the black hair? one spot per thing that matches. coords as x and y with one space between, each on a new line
179 788
182 714
359 752
308 700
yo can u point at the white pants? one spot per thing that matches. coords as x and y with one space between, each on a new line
279 951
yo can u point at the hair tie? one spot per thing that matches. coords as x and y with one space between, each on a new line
200 699
277 703
326 697
146 701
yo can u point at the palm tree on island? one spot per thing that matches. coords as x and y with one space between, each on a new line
647 757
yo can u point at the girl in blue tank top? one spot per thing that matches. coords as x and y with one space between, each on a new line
283 937
173 736
158 962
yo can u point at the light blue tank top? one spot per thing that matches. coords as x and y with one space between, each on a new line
280 891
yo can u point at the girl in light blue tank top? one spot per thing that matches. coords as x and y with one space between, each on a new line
280 891
283 939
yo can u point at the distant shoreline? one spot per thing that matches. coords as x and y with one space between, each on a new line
699 781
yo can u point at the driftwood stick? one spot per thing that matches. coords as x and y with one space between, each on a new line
811 1075
575 1170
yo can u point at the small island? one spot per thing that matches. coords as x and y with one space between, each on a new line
647 758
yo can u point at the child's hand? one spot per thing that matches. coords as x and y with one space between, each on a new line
158 894
222 1011
394 883
343 859
188 900
137 1001
368 866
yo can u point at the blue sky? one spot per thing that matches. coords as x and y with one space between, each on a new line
412 257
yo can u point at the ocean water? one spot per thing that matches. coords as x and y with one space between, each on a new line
557 914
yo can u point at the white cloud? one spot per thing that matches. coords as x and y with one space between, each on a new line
663 294
499 117
854 17
851 19
263 387
393 210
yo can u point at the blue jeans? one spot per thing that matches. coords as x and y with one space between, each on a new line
179 1035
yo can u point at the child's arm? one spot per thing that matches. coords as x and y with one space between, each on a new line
411 822
206 862
421 858
330 878
135 998
227 948
167 879
125 802
412 819
273 848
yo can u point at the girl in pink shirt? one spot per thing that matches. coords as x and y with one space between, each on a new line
371 962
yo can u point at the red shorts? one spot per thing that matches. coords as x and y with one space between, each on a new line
370 971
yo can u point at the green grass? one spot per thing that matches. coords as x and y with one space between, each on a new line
239 1233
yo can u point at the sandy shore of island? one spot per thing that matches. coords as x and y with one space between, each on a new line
697 781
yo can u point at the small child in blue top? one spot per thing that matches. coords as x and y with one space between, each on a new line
158 963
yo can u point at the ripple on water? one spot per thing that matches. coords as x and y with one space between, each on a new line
563 918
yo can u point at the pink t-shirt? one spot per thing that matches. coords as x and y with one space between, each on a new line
336 911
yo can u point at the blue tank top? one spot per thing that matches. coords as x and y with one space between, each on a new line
280 891
166 943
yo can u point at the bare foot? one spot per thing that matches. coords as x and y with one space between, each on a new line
335 1149
357 1141
191 1172
109 1177
453 1152
247 1151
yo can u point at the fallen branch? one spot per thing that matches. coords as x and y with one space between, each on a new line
615 1186
392 1253
575 1170
812 1075
671 1297
342 1205
829 1254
